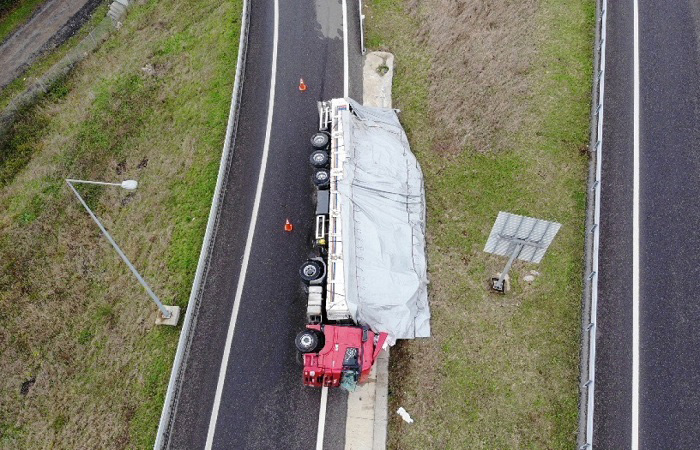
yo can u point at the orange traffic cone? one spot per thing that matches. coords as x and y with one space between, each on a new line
288 226
302 85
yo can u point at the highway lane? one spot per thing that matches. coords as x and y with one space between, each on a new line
669 240
613 389
669 406
263 404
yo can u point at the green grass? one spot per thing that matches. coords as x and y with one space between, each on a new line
499 371
71 314
17 148
12 16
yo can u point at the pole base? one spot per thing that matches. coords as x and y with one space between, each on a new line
505 287
172 320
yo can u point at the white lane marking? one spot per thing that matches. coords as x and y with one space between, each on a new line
346 68
249 241
635 242
322 418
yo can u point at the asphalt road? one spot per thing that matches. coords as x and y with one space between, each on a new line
669 239
264 404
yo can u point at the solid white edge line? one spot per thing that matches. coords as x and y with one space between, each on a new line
249 241
322 418
346 68
635 242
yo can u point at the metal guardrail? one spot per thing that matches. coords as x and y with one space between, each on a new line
589 326
172 394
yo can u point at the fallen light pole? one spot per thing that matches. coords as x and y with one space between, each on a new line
169 315
518 237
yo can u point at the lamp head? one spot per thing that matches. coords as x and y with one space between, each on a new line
130 184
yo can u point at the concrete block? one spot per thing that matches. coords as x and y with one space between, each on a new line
379 436
361 435
377 76
174 317
361 402
117 8
115 16
381 400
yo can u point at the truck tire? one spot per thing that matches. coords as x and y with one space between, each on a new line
310 271
319 159
320 140
322 178
309 341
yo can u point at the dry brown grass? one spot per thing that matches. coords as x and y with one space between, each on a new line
495 99
483 52
76 330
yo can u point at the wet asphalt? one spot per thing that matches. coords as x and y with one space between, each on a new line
669 373
264 404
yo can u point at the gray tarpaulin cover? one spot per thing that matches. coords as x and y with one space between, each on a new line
383 220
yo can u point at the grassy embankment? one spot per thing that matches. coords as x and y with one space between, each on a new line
81 363
495 99
14 13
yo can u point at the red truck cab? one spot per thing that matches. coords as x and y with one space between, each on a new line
346 355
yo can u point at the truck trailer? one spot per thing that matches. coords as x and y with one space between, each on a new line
366 278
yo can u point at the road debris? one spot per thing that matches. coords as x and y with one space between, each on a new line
404 415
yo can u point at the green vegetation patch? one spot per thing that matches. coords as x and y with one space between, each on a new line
78 345
20 142
495 99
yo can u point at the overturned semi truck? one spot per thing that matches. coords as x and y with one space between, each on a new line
367 281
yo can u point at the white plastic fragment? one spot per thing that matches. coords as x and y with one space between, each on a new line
529 278
404 415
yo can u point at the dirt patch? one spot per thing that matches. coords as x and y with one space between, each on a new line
24 390
49 27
